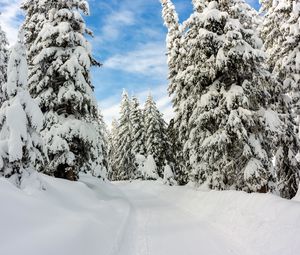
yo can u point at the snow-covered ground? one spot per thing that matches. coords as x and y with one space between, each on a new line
143 218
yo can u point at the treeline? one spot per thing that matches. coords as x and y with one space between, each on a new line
140 143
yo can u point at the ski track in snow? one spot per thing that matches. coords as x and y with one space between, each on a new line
157 227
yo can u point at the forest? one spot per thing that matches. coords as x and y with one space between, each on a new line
220 177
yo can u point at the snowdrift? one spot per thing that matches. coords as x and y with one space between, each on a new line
67 218
262 224
92 217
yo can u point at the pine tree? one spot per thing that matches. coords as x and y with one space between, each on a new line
124 162
138 130
175 156
3 61
156 138
113 150
178 64
35 17
98 164
280 32
224 91
281 43
60 80
21 121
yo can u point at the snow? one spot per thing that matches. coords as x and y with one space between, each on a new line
65 219
147 167
54 216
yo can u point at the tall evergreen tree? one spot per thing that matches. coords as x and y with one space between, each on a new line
223 87
3 60
113 150
20 120
138 129
60 80
157 144
280 32
175 155
281 43
178 64
124 163
98 164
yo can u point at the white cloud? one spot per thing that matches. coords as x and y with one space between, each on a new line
10 18
115 22
148 59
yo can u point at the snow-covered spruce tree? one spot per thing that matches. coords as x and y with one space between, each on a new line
226 145
3 60
138 130
182 60
280 32
156 137
113 150
98 164
281 43
124 164
178 64
60 81
176 158
20 120
286 147
34 20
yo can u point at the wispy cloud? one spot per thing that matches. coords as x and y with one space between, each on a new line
10 18
148 60
114 23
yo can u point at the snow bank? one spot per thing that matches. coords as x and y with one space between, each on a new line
93 217
262 224
67 218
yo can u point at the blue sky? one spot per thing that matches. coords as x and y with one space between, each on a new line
130 42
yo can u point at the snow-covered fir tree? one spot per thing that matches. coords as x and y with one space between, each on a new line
35 17
113 150
280 32
3 60
60 81
20 120
156 139
98 164
176 158
138 130
223 89
124 165
281 42
178 67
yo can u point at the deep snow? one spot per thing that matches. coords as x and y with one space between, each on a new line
91 217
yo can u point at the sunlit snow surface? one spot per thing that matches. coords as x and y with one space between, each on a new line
142 218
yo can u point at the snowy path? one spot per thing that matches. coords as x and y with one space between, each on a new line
91 217
157 227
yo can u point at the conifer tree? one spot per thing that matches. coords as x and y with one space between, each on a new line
280 32
60 80
156 138
281 43
3 60
175 156
113 150
178 67
224 89
98 164
124 162
138 130
20 120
